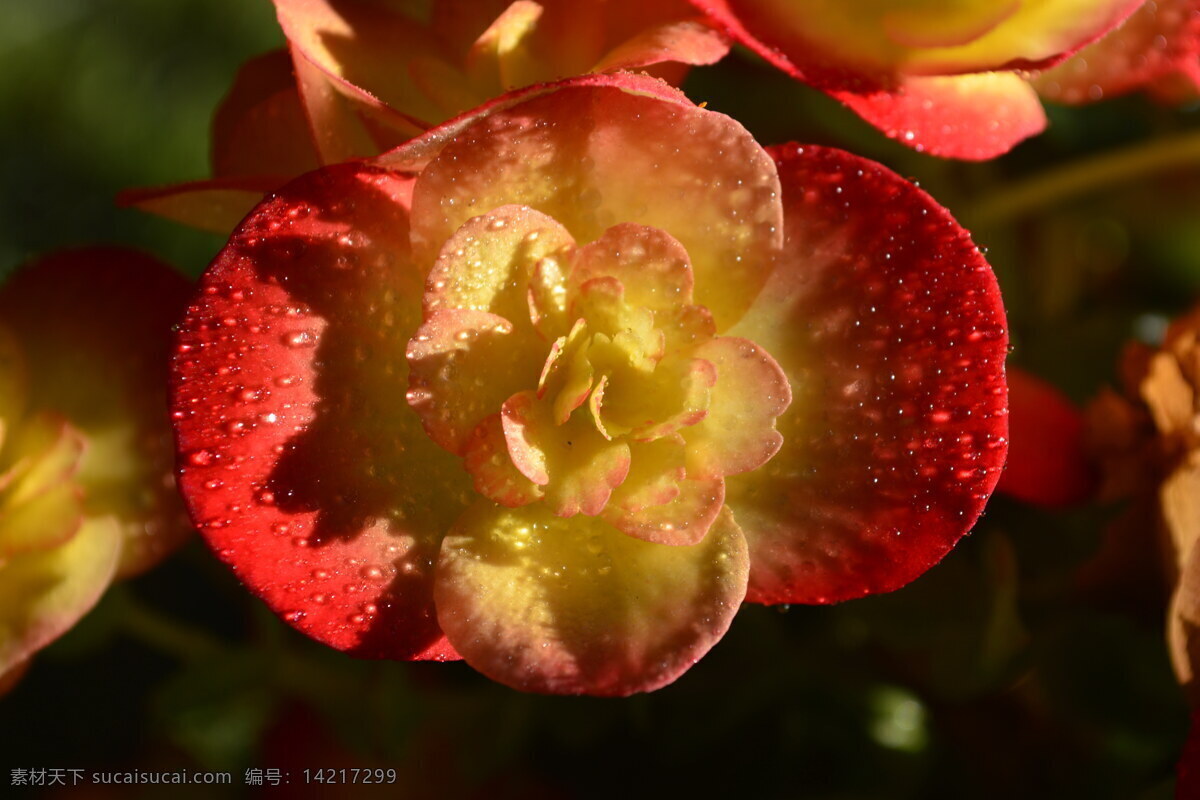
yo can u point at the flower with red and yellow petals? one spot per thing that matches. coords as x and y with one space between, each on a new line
557 385
86 492
944 78
362 76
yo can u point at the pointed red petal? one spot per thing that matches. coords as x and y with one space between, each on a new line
888 323
216 205
300 460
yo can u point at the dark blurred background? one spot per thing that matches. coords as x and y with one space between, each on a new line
1001 673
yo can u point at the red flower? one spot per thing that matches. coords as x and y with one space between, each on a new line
519 391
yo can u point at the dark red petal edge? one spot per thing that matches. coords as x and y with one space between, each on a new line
893 336
298 455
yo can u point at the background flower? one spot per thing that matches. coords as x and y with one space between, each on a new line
947 80
86 492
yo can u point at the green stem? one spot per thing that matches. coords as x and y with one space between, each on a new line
165 634
1046 188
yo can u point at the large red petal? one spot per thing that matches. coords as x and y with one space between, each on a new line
888 323
300 460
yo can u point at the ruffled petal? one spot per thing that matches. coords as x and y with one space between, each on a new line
738 432
43 594
658 503
653 268
574 606
488 263
594 156
973 117
683 521
42 523
495 475
685 41
301 462
575 465
463 365
888 323
500 57
1183 626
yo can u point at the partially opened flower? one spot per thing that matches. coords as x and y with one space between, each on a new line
362 76
86 492
945 78
558 385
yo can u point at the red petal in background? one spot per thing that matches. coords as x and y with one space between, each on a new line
888 323
260 127
1160 40
1047 465
300 460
